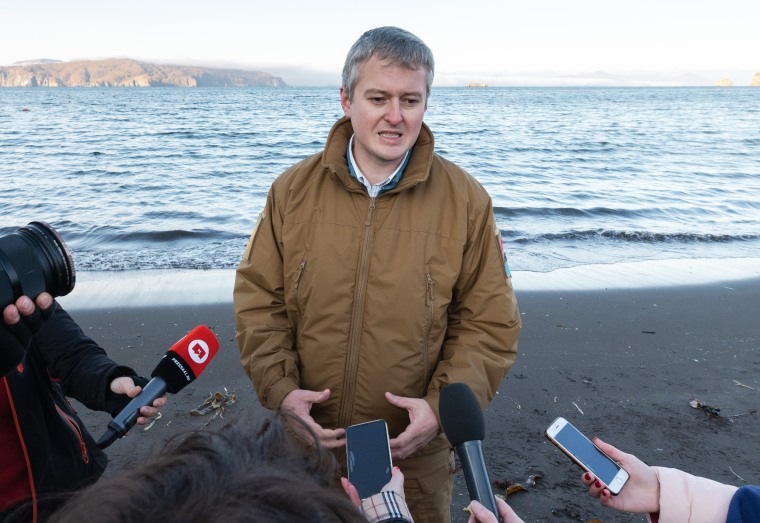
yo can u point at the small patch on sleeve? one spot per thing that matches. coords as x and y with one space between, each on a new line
252 239
503 252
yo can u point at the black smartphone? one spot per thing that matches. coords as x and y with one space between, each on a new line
586 455
368 454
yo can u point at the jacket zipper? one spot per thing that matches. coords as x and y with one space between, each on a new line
429 302
77 433
354 337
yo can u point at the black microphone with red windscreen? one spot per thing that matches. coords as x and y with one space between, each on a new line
180 365
463 424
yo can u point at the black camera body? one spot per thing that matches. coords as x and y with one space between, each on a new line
34 259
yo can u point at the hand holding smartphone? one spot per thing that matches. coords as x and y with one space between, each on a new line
368 454
586 455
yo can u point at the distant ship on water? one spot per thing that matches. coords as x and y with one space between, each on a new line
477 84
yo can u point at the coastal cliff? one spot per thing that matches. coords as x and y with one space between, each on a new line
755 80
124 72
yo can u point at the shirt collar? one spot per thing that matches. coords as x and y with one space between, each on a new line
379 188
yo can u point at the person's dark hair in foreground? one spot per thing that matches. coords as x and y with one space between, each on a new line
246 471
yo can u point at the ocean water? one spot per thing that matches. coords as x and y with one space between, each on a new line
173 178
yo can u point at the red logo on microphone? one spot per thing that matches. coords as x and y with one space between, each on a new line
197 348
198 351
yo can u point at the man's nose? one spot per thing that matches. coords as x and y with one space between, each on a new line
394 112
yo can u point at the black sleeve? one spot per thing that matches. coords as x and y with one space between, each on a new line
75 361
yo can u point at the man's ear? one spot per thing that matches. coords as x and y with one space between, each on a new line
345 103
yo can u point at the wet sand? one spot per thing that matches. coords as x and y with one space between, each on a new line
621 364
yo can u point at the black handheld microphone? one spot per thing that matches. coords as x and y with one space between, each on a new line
180 365
464 427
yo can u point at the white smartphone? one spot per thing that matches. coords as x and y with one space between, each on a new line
586 455
368 455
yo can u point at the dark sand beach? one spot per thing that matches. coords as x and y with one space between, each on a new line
620 364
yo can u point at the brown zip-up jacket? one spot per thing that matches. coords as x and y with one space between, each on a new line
404 292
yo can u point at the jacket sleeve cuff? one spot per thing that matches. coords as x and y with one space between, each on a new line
102 401
433 398
386 506
684 497
277 392
114 402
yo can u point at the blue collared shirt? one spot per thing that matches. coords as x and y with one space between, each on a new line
378 188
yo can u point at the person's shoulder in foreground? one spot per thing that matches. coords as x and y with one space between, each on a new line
745 505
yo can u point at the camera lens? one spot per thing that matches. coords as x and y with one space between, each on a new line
32 260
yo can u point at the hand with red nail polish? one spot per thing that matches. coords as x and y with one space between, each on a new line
640 494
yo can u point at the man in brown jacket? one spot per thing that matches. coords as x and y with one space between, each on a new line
375 276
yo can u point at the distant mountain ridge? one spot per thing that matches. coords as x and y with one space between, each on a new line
37 61
125 72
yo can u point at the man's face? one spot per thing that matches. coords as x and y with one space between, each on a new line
389 102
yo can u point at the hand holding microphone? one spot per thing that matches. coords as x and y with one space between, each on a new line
463 424
181 364
123 389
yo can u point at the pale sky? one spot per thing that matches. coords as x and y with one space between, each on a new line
305 41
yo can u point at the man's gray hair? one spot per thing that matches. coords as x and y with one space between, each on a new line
397 46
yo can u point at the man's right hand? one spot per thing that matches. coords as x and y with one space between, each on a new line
298 403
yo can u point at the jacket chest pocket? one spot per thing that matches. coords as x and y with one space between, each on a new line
430 316
76 432
295 304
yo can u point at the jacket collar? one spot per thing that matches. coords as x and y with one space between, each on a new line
334 157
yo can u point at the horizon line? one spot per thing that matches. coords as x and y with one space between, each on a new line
302 76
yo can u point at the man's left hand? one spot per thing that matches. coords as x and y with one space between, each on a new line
423 426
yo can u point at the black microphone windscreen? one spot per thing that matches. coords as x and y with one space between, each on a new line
461 417
174 371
